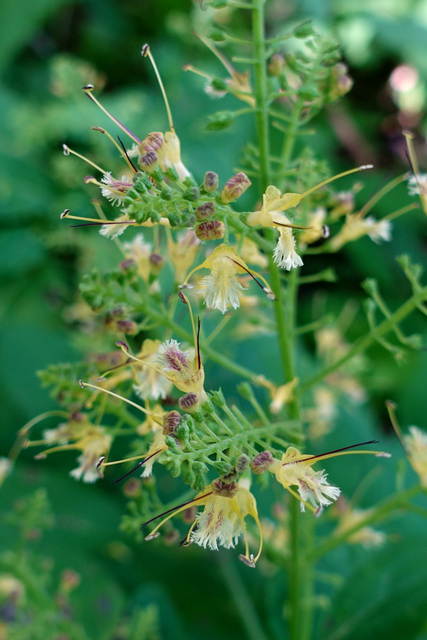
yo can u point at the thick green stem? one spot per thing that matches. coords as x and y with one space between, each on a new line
300 583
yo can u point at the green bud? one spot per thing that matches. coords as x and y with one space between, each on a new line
174 218
172 174
192 194
217 35
167 193
223 468
309 92
218 398
304 30
182 432
220 120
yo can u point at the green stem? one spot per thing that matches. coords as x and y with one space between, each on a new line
389 505
300 582
242 600
379 331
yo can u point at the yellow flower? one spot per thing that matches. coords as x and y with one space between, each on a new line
222 288
349 518
314 491
182 368
93 441
222 521
356 226
140 252
151 383
183 252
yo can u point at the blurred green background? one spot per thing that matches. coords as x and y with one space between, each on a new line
49 49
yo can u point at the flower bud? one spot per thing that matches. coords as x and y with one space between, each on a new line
128 327
205 210
276 64
222 489
242 463
189 402
192 194
235 187
210 230
210 183
157 262
261 462
149 161
170 422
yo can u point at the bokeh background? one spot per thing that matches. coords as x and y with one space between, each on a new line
49 49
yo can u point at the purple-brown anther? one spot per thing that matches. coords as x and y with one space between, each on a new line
64 214
210 230
205 210
221 488
149 161
261 462
235 187
157 262
129 327
188 402
65 150
211 181
171 421
153 142
127 265
242 463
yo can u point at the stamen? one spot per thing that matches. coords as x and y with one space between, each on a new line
265 288
363 167
129 161
156 416
88 91
145 52
66 150
140 464
339 452
125 349
380 194
290 226
122 152
174 511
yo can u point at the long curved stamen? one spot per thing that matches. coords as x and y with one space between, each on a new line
380 194
62 447
363 167
125 350
391 408
119 149
140 464
88 91
290 226
115 395
145 52
218 54
342 452
66 150
92 221
47 414
255 276
172 512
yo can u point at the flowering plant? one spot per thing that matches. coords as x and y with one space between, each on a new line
200 275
